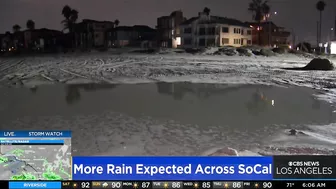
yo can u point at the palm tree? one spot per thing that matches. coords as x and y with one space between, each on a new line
30 24
71 16
260 10
320 7
207 11
16 28
66 12
116 22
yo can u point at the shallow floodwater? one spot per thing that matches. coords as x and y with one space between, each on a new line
170 118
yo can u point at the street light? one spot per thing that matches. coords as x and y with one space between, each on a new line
331 34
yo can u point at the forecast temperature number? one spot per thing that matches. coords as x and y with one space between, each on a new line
197 184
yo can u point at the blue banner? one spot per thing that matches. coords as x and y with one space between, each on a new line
35 134
60 142
172 168
35 185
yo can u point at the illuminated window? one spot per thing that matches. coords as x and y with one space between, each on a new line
178 40
333 48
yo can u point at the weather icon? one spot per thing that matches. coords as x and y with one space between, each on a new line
105 185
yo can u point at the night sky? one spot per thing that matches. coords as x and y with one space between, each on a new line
298 15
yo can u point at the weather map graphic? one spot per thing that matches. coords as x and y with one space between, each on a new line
35 155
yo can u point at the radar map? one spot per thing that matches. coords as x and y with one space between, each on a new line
29 158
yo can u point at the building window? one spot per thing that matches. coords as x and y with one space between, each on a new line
211 31
202 31
249 42
178 40
225 41
242 32
211 42
236 30
249 32
201 42
236 41
187 41
187 30
225 29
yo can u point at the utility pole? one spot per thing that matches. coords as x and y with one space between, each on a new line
335 27
317 34
270 27
294 37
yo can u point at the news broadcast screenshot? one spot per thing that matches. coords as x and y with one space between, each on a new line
167 94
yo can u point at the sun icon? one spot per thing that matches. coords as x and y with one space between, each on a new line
196 185
135 185
256 185
165 185
226 185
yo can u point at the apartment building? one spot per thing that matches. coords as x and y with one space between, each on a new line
270 34
206 30
168 29
132 36
92 33
42 39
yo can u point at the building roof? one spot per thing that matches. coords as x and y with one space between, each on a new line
218 20
175 13
134 28
229 21
95 21
189 21
144 28
171 14
262 24
44 30
122 28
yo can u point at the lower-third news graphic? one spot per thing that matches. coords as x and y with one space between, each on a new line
35 155
186 172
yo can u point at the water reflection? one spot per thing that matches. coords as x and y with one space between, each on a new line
176 90
236 106
259 103
33 89
200 90
316 104
73 93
